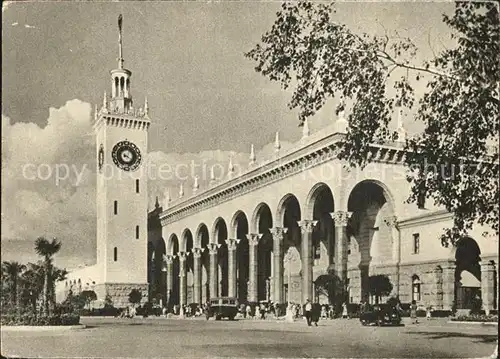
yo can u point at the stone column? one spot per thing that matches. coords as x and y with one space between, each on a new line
212 286
488 286
231 264
182 278
253 241
278 234
306 228
169 260
197 275
448 285
341 219
392 223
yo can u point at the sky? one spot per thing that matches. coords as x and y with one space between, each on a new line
206 100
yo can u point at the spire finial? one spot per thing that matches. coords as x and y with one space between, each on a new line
181 190
305 129
167 198
120 49
196 184
96 113
341 124
230 167
105 102
212 175
401 129
252 155
277 144
146 107
157 203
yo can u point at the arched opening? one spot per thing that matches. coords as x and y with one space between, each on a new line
203 240
467 274
264 253
174 248
288 216
242 261
323 236
122 86
188 248
117 88
157 270
220 238
415 288
371 242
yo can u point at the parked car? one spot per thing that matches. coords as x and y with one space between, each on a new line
223 307
381 316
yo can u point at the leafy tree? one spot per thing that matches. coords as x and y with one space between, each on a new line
47 249
134 296
88 296
108 302
12 271
379 285
450 161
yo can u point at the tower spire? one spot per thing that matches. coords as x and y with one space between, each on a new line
120 46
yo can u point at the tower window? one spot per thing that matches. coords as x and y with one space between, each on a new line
136 232
115 254
116 207
416 243
136 186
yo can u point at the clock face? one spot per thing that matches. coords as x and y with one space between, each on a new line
100 157
126 156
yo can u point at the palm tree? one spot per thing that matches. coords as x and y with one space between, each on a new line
12 270
47 249
32 280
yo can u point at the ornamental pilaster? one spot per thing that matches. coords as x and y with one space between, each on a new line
278 234
253 241
231 261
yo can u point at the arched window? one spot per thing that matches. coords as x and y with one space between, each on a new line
136 232
115 254
117 88
116 207
415 288
136 186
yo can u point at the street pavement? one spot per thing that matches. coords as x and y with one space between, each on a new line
198 338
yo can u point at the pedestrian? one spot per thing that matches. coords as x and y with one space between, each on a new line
428 312
249 311
315 313
413 312
308 312
345 314
323 312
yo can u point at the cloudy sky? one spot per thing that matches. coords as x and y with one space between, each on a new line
206 100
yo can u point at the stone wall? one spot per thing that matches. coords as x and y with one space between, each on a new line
119 292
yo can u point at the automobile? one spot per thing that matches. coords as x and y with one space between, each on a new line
381 316
222 307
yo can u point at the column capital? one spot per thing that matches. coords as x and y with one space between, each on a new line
391 221
487 266
197 252
307 225
253 238
278 232
183 256
213 247
231 243
341 218
168 258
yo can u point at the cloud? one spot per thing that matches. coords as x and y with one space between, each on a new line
15 23
36 204
30 26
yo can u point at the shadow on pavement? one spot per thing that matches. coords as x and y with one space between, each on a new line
483 338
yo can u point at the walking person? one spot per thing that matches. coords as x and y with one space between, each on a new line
413 312
308 312
345 314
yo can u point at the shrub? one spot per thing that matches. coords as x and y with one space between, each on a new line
492 318
31 319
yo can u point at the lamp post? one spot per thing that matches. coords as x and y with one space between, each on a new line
164 280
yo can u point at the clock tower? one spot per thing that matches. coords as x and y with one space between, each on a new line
122 145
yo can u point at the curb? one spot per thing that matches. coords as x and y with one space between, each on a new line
25 328
474 323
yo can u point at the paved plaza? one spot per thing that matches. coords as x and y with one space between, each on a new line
195 338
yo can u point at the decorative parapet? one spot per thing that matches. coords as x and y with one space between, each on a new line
316 151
